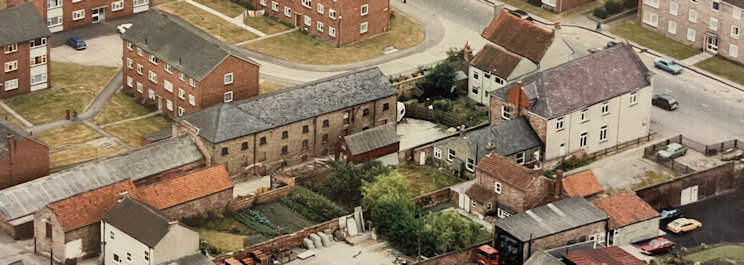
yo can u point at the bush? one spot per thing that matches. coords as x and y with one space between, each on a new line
312 206
537 3
575 162
600 12
630 4
444 104
613 7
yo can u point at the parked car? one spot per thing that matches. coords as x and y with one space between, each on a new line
664 101
521 14
76 43
682 225
657 245
672 151
668 214
669 65
614 42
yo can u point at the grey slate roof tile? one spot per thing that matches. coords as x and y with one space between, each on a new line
138 220
21 23
508 138
372 139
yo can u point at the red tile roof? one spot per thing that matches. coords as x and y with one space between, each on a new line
507 171
190 187
583 184
625 208
495 61
602 256
89 207
519 36
481 194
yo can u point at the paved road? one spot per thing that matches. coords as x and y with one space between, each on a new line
721 217
472 14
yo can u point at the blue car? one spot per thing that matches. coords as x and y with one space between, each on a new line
76 43
667 64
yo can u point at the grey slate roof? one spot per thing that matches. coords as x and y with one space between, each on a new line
540 257
6 128
25 199
138 220
21 23
180 44
239 118
550 219
508 138
372 139
193 259
737 3
583 82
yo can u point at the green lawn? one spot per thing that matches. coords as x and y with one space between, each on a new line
269 86
733 252
426 179
226 7
299 47
724 68
157 2
120 107
225 242
212 24
131 132
73 87
630 30
266 24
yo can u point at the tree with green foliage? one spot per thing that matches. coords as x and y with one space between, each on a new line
390 187
395 221
451 231
439 81
345 180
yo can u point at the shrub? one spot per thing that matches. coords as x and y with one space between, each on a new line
600 12
312 206
613 7
575 162
630 4
444 104
537 3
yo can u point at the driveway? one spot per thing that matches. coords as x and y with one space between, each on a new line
623 170
721 217
415 132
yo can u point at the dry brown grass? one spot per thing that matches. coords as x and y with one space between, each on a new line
6 115
269 86
68 135
120 107
226 242
82 154
266 24
228 8
131 132
212 24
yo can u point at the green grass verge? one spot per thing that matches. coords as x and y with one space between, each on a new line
218 27
724 68
120 107
68 135
630 30
266 24
426 179
131 132
228 8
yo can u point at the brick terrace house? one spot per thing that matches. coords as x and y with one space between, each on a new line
23 38
631 218
585 104
293 125
557 224
70 14
182 69
711 25
503 188
516 48
147 165
369 144
338 22
72 226
23 157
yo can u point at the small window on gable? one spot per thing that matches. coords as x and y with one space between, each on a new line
244 146
224 151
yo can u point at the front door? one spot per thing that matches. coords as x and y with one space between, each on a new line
298 20
98 14
711 44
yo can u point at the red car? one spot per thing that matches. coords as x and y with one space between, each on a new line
657 245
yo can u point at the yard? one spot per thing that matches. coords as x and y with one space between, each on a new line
540 12
77 133
723 67
269 86
266 24
225 242
82 153
131 132
424 179
732 252
299 47
212 24
650 178
228 8
77 143
73 87
120 107
630 30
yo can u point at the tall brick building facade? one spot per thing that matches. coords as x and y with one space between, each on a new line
339 22
22 157
181 69
293 125
70 14
23 39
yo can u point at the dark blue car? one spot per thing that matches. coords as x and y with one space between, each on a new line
76 43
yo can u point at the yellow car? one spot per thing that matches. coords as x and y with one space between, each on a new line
681 225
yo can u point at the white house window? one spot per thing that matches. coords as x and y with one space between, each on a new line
228 78
653 3
320 8
559 124
153 59
130 63
365 10
736 14
111 234
332 31
470 164
716 5
147 255
140 88
151 94
168 86
139 69
505 112
476 90
605 108
473 202
691 34
38 42
38 79
39 60
672 27
692 16
585 115
363 27
116 6
733 50
287 11
735 32
53 3
169 105
181 93
54 21
651 19
181 111
140 2
603 134
116 258
228 96
307 3
450 155
168 68
437 153
673 8
11 48
633 98
153 77
520 158
192 82
192 100
497 187
332 13
181 76
78 14
11 84
713 25
274 6
308 21
139 51
129 256
582 140
11 66
262 2
130 81
319 26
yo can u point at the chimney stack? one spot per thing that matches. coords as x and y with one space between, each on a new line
468 54
461 130
557 25
558 183
489 148
10 142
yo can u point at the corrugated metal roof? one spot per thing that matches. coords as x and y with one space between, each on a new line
372 139
550 219
25 199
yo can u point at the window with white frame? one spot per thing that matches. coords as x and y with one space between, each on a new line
118 5
130 63
503 214
10 48
181 93
450 154
130 45
140 2
474 202
605 108
228 78
651 19
287 11
78 14
130 81
490 206
692 16
476 90
497 187
691 34
38 42
332 13
181 75
308 21
716 5
153 76
470 165
735 32
307 3
169 104
140 88
363 27
228 96
365 10
181 111
733 50
633 98
673 8
151 94
262 2
139 69
520 158
585 115
153 59
505 112
168 68
559 124
319 26
274 6
713 25
320 8
192 82
168 86
603 134
139 51
653 3
11 84
42 59
672 28
582 140
54 21
38 79
11 66
736 13
53 3
332 31
437 153
192 100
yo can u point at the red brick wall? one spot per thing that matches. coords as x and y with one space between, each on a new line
463 257
23 74
29 160
214 203
245 84
270 196
375 153
710 182
435 198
